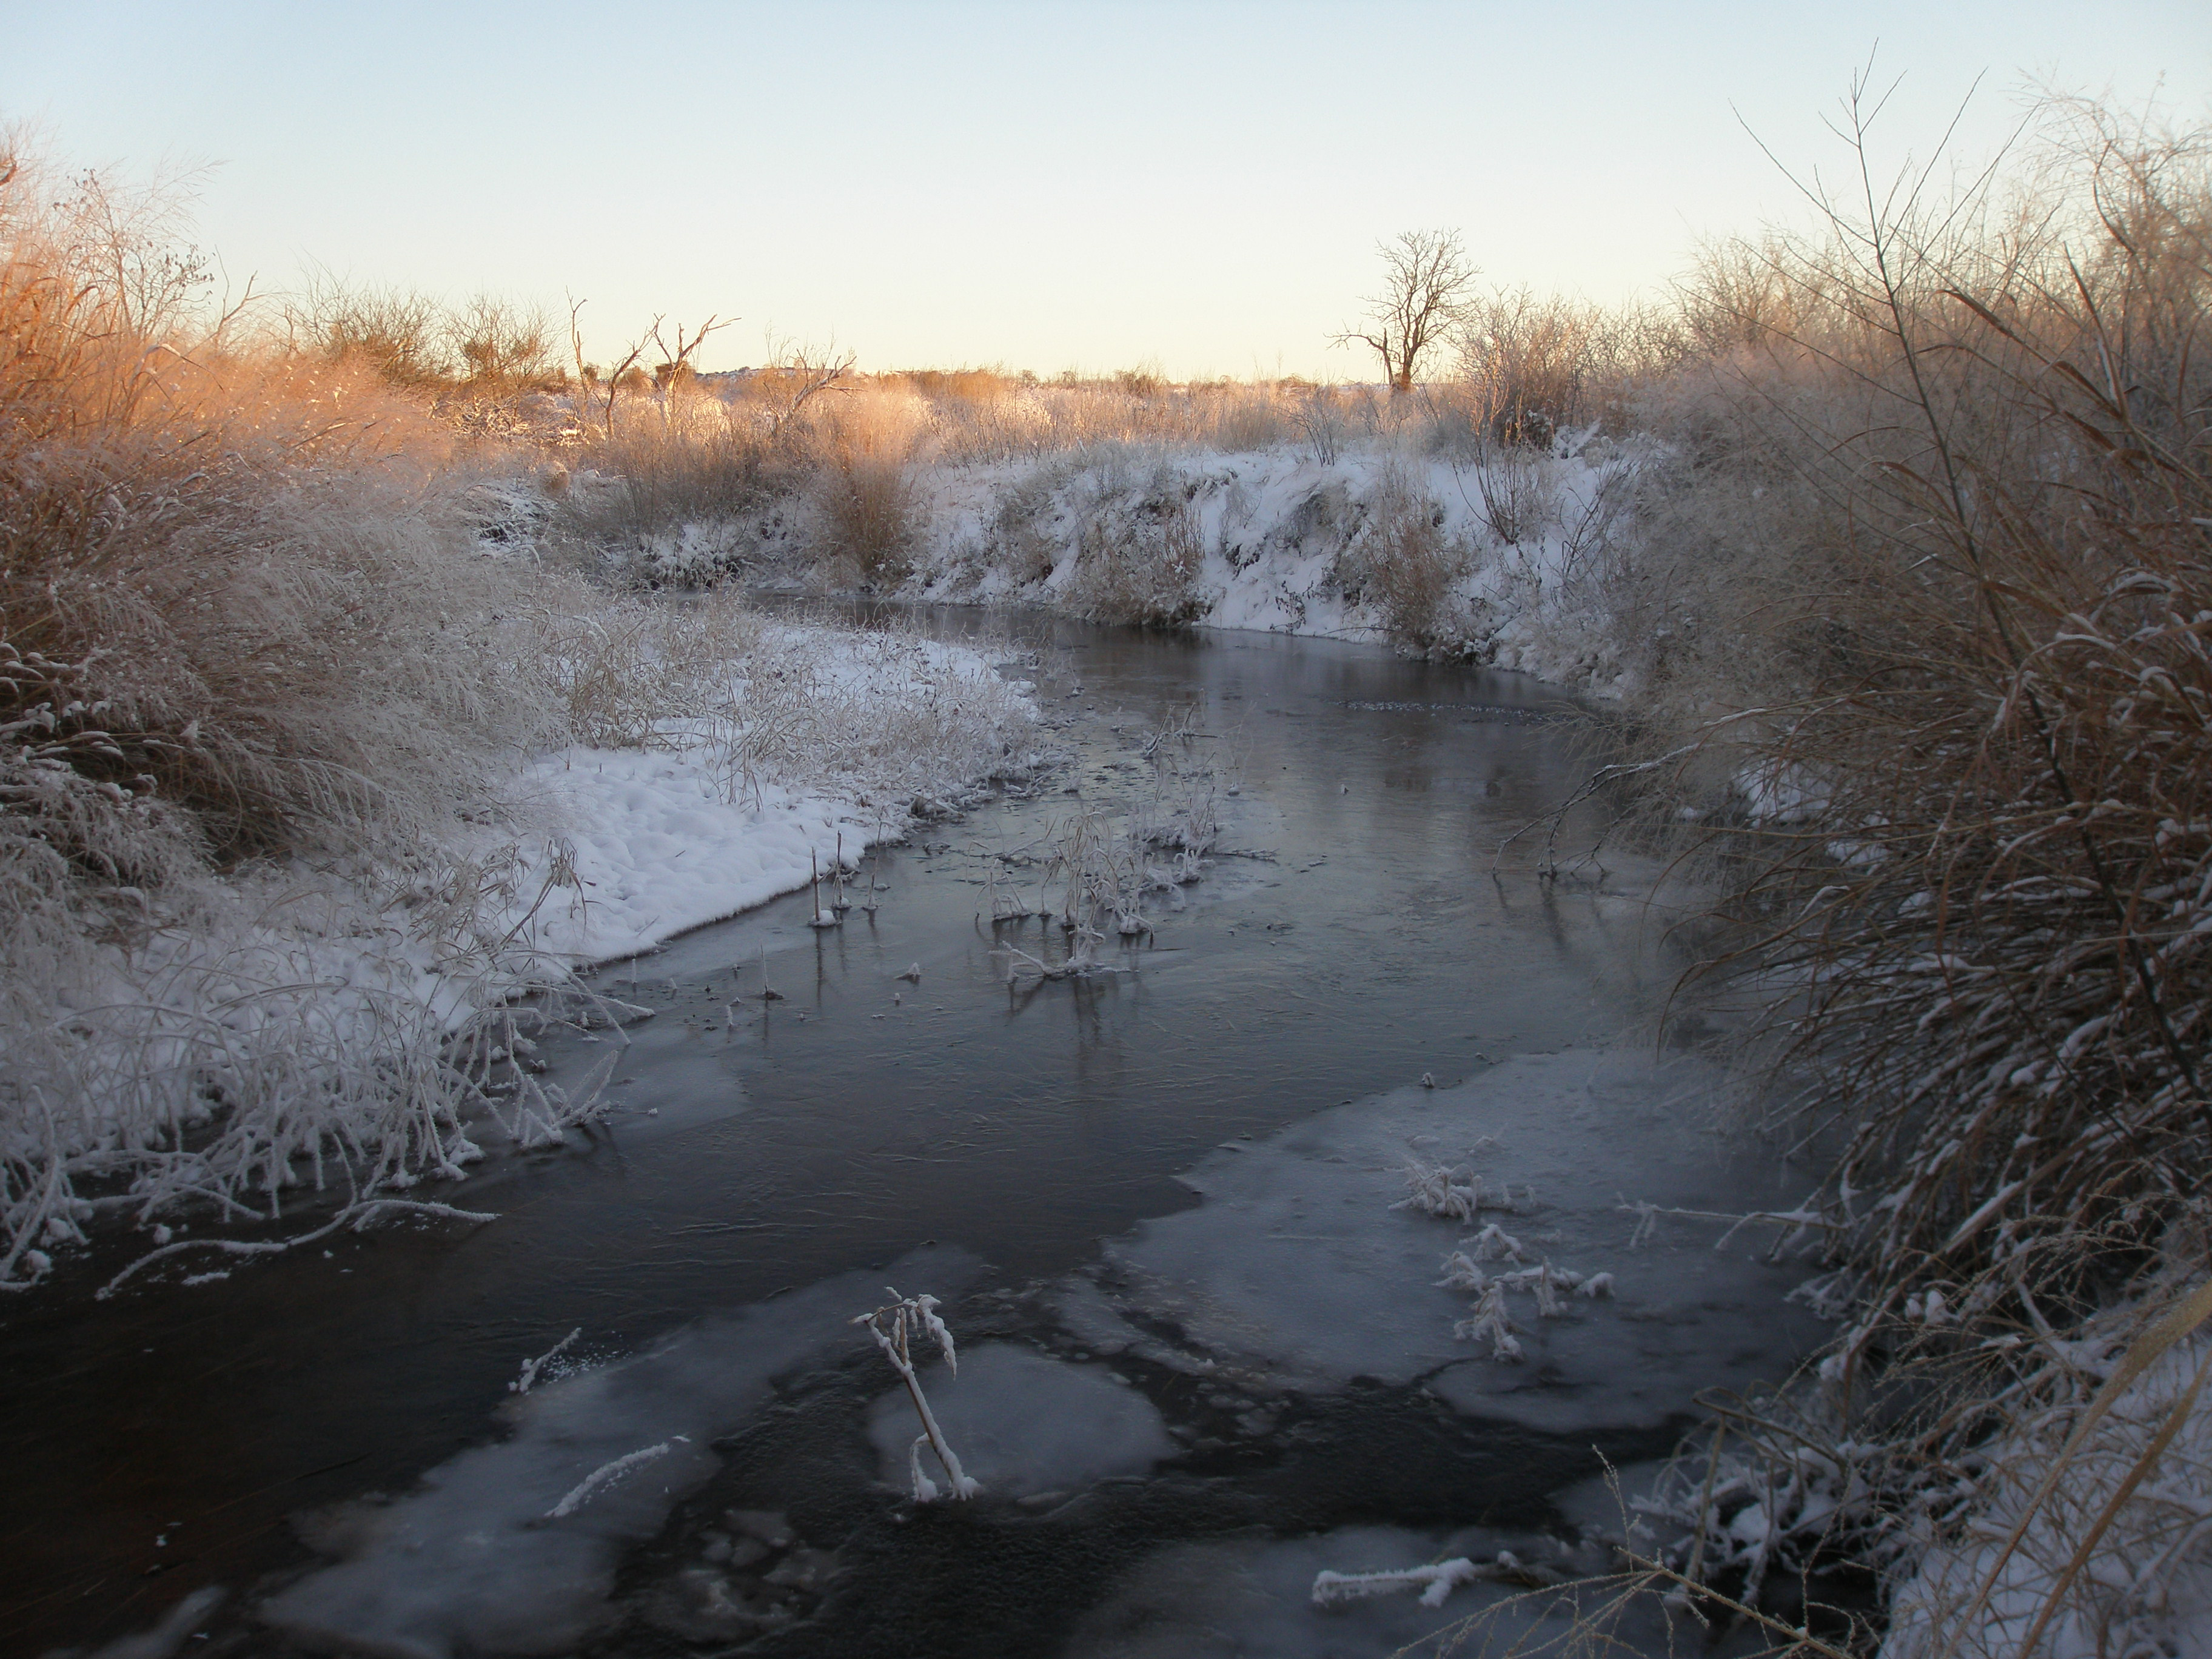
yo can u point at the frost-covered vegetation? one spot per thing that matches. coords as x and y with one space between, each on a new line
1890 541
1301 509
303 780
1919 561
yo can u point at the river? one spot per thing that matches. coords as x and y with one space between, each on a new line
1168 1452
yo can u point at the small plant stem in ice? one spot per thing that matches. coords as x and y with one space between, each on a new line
603 1477
892 1326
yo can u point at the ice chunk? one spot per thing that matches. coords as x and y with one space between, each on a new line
1295 1268
471 1561
1025 1423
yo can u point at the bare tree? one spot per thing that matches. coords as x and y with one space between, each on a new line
1425 277
675 366
599 395
795 375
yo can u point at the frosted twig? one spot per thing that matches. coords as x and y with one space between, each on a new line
1462 1274
1437 1189
893 1326
1547 1282
356 1216
531 1367
1488 1319
603 1477
1494 1243
1795 1221
1437 1581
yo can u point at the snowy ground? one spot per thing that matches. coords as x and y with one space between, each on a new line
2115 1556
668 839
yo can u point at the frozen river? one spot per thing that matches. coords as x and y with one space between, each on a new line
1203 1356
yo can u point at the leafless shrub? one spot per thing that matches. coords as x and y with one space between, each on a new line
398 334
864 492
1515 490
1404 563
1533 368
487 349
1320 422
1017 539
1139 564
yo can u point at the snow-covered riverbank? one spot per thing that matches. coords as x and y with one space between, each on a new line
1494 555
290 1026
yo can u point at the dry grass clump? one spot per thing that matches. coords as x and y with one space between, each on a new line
1924 605
864 495
242 615
1974 827
1026 420
620 672
1138 553
1404 563
661 461
213 572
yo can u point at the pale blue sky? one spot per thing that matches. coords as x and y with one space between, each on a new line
1196 185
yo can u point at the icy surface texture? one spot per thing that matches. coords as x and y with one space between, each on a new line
1254 1600
1026 1424
1297 1268
474 1562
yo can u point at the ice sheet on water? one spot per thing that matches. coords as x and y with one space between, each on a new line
1250 1598
688 1081
1024 1423
1296 1266
470 1562
166 1635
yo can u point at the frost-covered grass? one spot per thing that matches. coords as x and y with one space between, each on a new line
304 779
287 1033
2092 1533
1458 520
1930 549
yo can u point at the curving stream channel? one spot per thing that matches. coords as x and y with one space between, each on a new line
1202 1355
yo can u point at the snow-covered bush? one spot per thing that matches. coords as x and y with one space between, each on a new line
1408 563
1138 555
1984 899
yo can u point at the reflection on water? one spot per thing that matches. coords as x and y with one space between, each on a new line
1349 939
